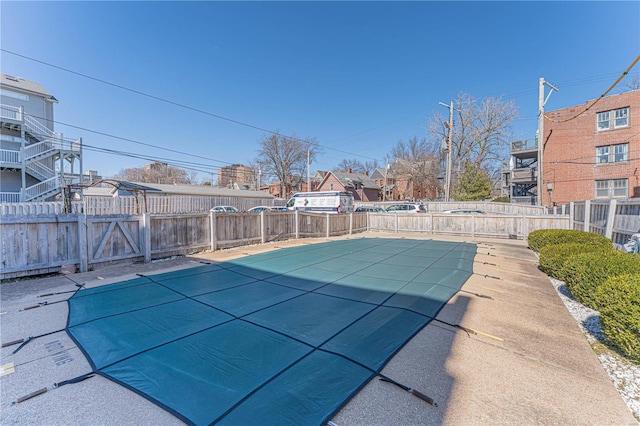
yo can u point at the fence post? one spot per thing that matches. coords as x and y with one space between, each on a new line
297 217
146 233
397 223
572 217
263 228
587 216
350 223
611 215
328 225
212 229
82 243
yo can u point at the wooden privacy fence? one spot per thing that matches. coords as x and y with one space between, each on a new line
614 219
33 245
131 205
480 225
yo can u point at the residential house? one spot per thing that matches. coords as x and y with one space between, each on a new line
591 151
36 162
360 185
386 181
412 180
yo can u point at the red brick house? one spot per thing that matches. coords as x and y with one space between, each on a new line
360 185
595 155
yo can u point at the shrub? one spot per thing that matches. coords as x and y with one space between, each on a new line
583 273
554 256
619 298
544 237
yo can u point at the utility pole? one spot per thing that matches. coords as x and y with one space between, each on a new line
541 103
449 151
384 188
308 171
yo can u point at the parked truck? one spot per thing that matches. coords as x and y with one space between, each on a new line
322 202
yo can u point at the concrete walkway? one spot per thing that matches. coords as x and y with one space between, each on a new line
525 361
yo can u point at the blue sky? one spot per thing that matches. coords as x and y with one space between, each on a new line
357 76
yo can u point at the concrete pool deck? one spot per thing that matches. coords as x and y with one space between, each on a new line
525 361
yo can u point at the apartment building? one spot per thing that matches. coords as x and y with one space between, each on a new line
36 162
592 154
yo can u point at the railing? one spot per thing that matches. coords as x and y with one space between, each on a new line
10 156
10 112
9 197
528 174
40 148
42 188
524 145
38 129
40 171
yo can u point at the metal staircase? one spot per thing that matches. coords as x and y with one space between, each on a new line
39 159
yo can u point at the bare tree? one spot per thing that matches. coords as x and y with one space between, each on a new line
481 131
356 166
633 84
282 157
158 172
353 164
416 164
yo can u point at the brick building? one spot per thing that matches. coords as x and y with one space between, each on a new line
593 156
235 173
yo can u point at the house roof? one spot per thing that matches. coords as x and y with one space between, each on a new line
22 85
349 180
379 172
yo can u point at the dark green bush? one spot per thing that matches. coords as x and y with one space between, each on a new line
619 298
584 272
544 237
553 256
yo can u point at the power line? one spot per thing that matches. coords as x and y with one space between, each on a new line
187 107
601 96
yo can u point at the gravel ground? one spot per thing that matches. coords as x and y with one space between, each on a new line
624 374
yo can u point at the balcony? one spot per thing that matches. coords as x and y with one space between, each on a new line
524 175
527 148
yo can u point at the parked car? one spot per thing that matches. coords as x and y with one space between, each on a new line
225 209
369 209
464 211
407 208
258 209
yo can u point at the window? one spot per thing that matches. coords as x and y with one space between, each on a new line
612 153
613 188
620 119
621 152
603 120
12 94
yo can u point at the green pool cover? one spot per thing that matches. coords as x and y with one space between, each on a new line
285 337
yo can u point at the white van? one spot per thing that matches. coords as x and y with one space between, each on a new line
322 202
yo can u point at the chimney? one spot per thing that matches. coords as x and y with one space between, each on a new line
349 170
366 172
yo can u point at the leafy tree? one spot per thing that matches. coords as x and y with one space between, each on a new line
282 157
473 184
158 172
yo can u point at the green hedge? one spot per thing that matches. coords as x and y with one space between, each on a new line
544 237
554 256
583 273
619 298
